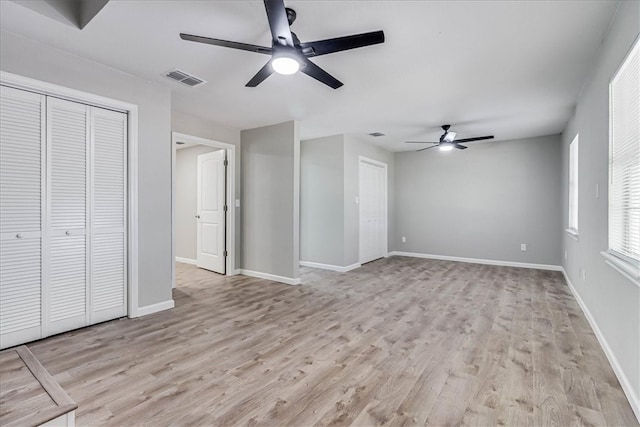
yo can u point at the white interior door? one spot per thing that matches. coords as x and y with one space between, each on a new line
65 290
22 157
108 240
211 211
373 210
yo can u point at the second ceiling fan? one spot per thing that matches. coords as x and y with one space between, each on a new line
288 54
448 140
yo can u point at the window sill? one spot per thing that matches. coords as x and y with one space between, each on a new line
573 233
623 267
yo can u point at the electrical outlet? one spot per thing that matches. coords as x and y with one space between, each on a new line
237 203
566 255
597 191
356 200
584 274
404 239
523 247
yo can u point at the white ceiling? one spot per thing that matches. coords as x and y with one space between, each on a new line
508 68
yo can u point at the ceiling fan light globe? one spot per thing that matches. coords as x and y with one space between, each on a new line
446 147
285 65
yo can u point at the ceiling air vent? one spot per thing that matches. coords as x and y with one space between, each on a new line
184 78
376 134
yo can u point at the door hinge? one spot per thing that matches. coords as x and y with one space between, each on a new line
226 208
226 162
226 253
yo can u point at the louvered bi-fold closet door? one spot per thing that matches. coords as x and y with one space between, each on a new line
108 215
65 284
22 116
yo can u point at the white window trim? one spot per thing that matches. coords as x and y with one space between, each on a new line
628 268
574 168
573 233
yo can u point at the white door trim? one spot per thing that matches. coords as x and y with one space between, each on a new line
32 85
230 200
363 159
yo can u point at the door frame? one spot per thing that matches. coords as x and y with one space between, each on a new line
230 220
361 160
45 88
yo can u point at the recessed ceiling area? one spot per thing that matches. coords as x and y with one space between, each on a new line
512 69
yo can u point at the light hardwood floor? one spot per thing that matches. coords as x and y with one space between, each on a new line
400 341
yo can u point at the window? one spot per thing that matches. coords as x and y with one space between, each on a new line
624 160
573 187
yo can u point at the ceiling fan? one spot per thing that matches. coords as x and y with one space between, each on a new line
288 54
448 140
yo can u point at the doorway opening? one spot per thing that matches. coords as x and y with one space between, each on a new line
203 204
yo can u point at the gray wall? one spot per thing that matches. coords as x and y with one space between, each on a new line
187 200
25 57
209 129
482 202
322 200
271 199
612 299
353 149
330 218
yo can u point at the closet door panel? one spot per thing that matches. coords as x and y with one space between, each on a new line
20 290
108 284
21 157
67 283
67 148
108 225
21 215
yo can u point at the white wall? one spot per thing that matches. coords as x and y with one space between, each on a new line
186 200
612 300
209 129
482 202
271 200
22 56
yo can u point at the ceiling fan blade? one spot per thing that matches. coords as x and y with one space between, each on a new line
226 43
422 149
338 44
479 138
420 142
278 22
261 75
319 74
460 147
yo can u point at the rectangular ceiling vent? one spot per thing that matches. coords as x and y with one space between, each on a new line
184 78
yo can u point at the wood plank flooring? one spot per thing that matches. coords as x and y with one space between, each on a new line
400 341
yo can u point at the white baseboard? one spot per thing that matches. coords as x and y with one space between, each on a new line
613 361
268 276
331 267
187 260
154 308
479 261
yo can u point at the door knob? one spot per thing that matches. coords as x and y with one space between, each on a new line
68 233
19 236
198 216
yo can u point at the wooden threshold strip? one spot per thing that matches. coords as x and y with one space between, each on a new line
64 403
